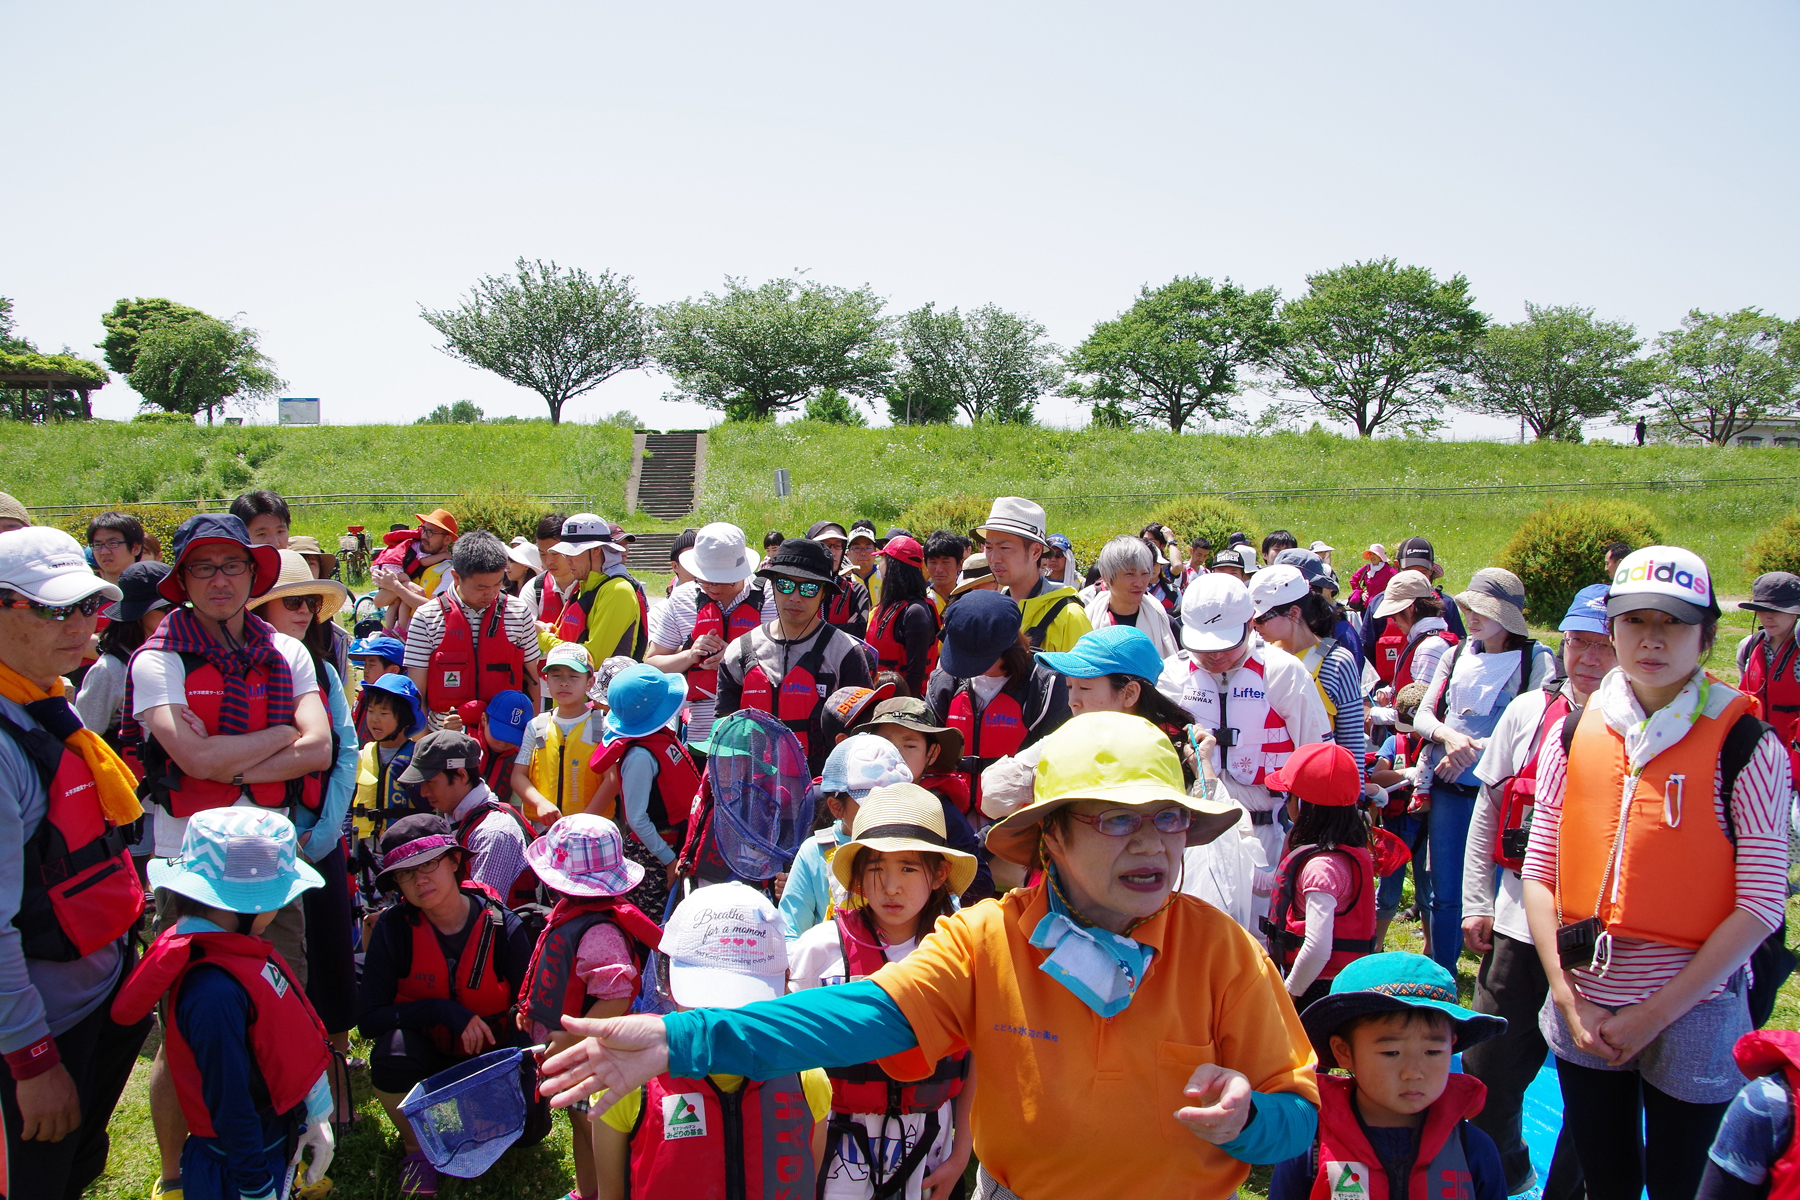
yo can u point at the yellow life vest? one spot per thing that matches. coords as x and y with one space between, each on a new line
559 768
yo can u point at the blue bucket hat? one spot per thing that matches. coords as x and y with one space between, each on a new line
508 713
641 700
1393 982
379 646
1109 650
400 685
1587 612
239 859
978 628
209 528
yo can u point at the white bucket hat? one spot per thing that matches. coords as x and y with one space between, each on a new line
525 554
1016 515
1215 612
719 555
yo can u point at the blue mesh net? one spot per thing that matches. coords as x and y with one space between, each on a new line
468 1116
761 811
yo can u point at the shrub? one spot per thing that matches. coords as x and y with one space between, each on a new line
1191 515
159 520
958 514
504 514
163 418
1776 548
1561 548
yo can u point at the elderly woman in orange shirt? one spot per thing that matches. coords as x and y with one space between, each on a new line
1101 1006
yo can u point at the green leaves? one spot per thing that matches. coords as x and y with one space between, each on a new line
197 363
834 408
754 352
992 365
559 333
463 412
1555 369
1717 376
127 319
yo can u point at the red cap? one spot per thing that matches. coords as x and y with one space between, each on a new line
906 549
471 712
1320 773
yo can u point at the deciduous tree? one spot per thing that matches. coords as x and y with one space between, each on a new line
755 352
1718 375
559 333
198 364
834 408
1555 369
1375 343
127 319
993 365
1176 352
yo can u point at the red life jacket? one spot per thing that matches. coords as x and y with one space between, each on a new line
1344 1164
1763 1052
677 778
571 626
473 980
464 667
1353 930
1406 754
79 890
524 888
1519 793
496 772
950 785
288 1045
552 989
1403 668
839 607
1776 687
990 732
703 682
795 700
550 600
699 1142
890 651
866 1088
181 794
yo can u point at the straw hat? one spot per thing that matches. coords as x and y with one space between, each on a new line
899 817
296 579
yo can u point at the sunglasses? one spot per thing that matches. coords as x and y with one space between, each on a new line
788 587
295 603
87 607
1124 824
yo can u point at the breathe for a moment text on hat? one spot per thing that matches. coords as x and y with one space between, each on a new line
727 947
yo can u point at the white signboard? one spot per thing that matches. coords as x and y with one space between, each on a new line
296 411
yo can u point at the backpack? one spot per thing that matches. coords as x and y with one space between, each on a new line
754 810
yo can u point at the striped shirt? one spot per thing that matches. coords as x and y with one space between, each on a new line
427 629
673 624
1341 678
1759 810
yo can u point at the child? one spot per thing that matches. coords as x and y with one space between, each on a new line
1322 915
499 725
247 1054
1370 579
932 753
857 765
590 958
723 1135
1406 815
551 777
1753 1154
901 1137
392 715
377 656
644 763
1397 1127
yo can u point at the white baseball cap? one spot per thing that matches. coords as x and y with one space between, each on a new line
583 532
1016 515
1666 578
719 555
727 947
1277 587
48 566
1215 613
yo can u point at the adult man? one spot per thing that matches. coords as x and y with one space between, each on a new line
1259 699
117 541
1051 613
423 579
446 768
474 641
1615 554
263 728
60 960
12 514
1199 550
848 607
861 555
944 554
1274 543
606 609
1054 563
1233 561
265 515
1414 554
722 604
788 666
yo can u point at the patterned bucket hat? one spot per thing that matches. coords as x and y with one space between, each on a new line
584 855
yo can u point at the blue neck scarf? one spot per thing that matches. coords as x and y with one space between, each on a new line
1099 968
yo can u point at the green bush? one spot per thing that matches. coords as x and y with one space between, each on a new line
958 514
163 418
1776 548
1561 549
503 514
159 520
1191 515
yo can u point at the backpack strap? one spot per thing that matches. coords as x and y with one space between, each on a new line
1568 732
1734 755
43 750
1035 635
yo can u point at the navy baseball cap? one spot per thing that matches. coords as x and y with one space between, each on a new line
507 714
1587 612
978 628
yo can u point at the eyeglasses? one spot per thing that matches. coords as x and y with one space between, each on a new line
109 544
1585 645
87 606
1124 824
296 603
231 566
788 587
408 874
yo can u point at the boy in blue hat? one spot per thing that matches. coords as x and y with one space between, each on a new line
641 759
247 1054
393 715
378 657
1397 1127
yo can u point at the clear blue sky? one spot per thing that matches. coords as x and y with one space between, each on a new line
325 168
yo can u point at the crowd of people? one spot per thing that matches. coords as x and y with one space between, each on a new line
911 865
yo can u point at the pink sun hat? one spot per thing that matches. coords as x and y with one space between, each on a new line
584 855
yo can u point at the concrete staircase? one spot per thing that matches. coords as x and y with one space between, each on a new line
666 469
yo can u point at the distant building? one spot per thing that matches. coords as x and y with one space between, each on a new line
1775 431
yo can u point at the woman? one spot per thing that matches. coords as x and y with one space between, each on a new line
1417 635
302 607
420 1014
1291 615
1468 694
904 630
524 567
1156 1028
1647 890
1128 568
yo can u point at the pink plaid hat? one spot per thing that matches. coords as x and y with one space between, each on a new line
584 855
